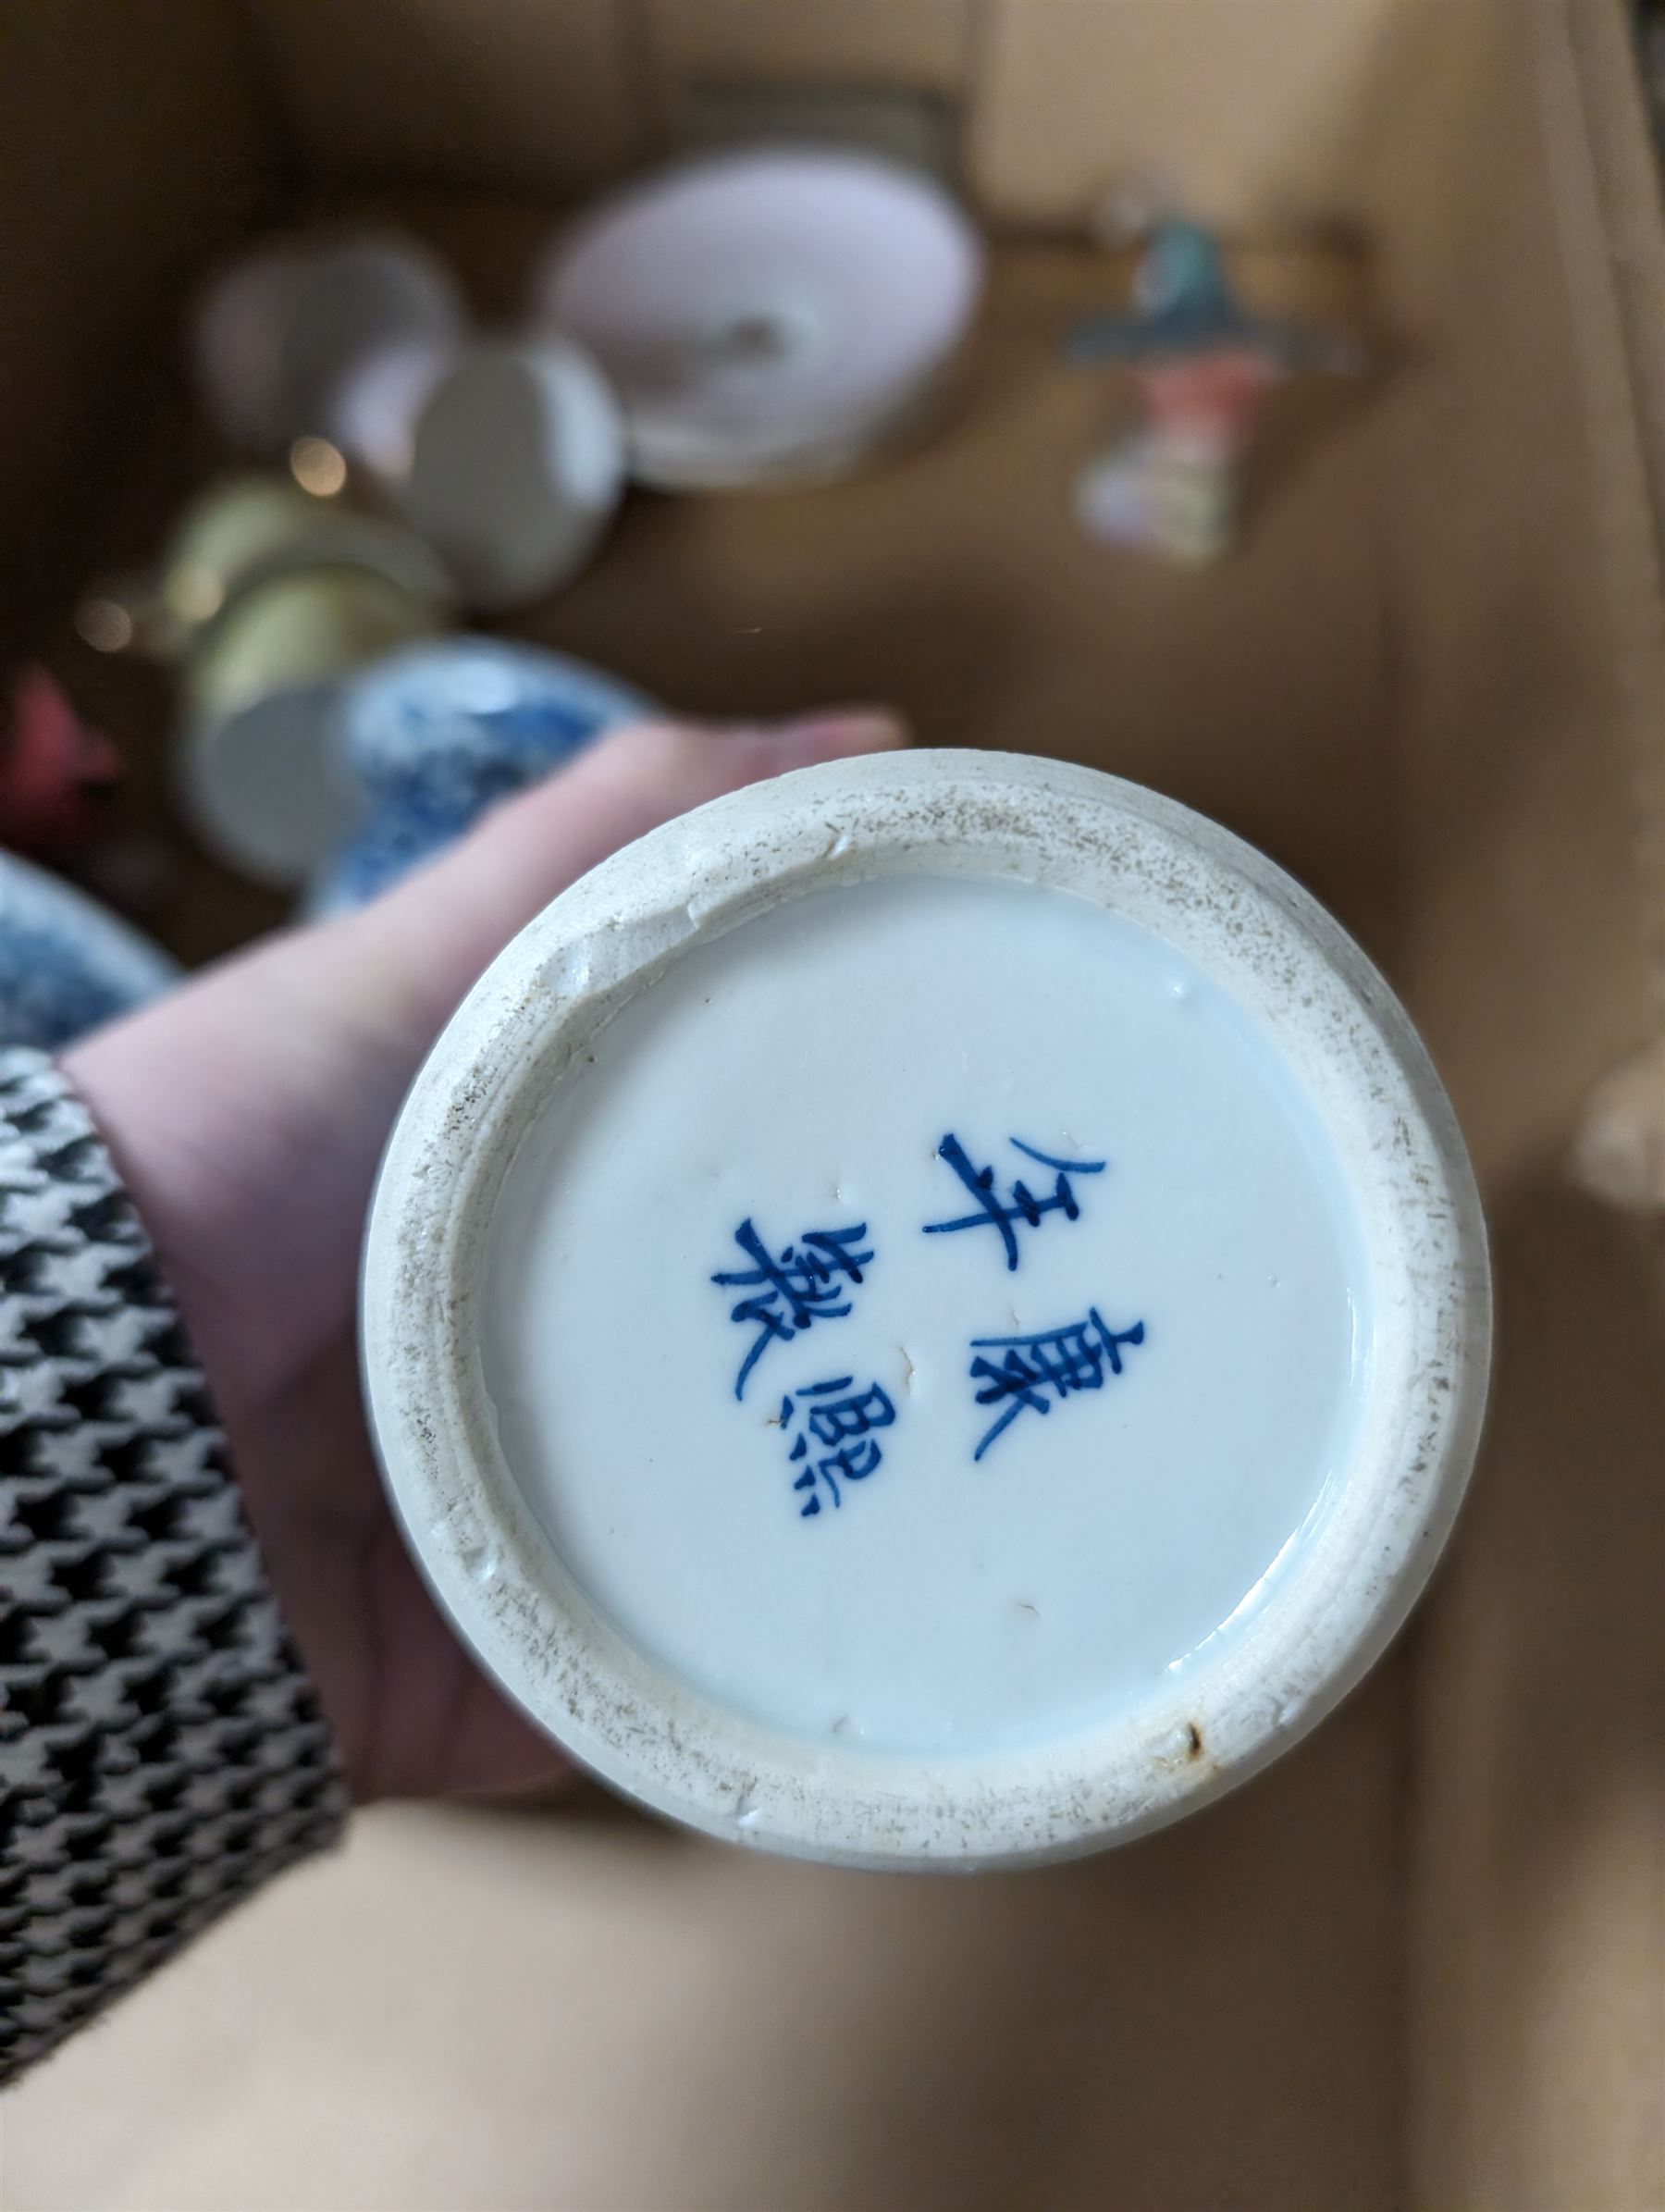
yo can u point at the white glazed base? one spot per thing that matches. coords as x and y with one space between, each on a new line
1082 1777
936 1571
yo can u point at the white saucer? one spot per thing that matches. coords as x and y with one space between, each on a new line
769 314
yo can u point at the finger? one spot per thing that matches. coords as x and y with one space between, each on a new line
305 1045
441 926
496 1752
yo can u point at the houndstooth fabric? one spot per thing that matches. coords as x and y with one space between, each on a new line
161 1751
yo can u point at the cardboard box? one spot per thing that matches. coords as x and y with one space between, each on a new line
1420 1962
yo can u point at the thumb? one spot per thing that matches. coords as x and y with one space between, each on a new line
440 927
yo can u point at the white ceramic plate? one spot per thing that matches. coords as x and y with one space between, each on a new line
767 312
931 1312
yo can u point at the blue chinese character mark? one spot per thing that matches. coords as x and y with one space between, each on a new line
806 1284
842 1428
1066 1359
1022 1206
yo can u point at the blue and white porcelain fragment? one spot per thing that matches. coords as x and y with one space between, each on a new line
432 737
933 1312
66 963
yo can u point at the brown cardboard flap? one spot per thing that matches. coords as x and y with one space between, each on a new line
127 147
926 45
1524 597
1251 109
1527 614
1538 1867
538 96
1625 177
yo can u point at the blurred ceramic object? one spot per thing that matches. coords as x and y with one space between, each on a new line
435 735
240 531
67 964
235 527
1617 1152
1129 209
768 315
373 410
54 770
235 347
1115 494
1186 308
1204 365
1171 492
259 761
1172 487
278 331
516 469
267 597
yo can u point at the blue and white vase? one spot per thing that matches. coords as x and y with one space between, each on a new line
432 737
67 964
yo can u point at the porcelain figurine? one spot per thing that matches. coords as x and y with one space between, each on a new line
1204 365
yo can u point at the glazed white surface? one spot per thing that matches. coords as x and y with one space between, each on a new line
801 1072
766 310
524 1038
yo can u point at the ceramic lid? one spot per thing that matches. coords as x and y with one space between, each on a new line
933 1311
